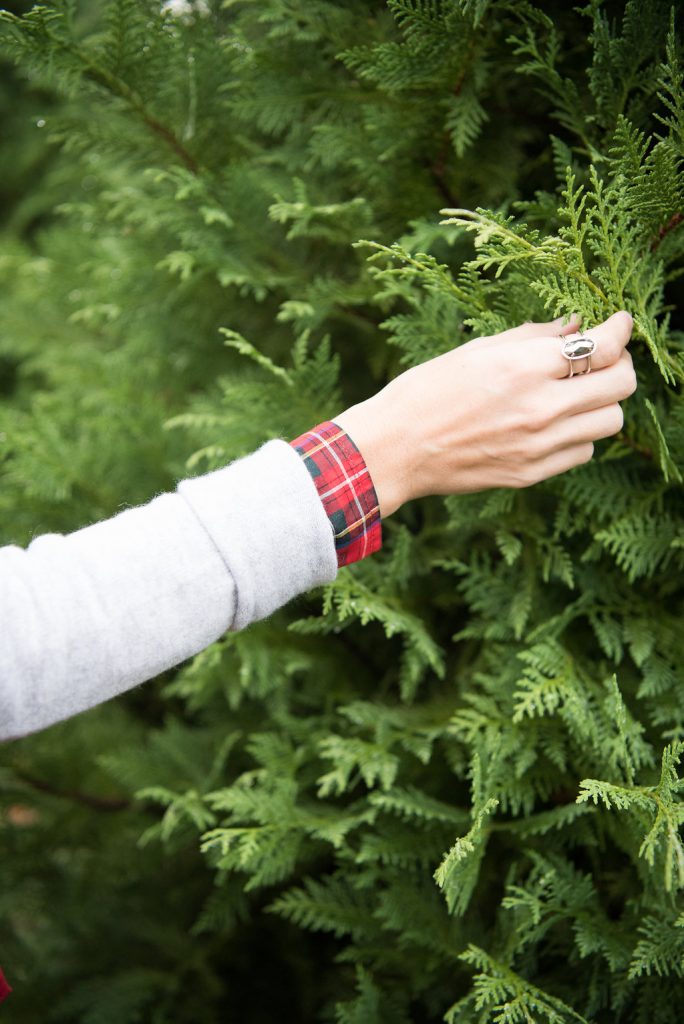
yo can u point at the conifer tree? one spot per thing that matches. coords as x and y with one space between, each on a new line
448 785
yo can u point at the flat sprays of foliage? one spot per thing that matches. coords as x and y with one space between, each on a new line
448 785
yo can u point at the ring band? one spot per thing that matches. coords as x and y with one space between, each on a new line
573 349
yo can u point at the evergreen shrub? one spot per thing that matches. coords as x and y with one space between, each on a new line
447 785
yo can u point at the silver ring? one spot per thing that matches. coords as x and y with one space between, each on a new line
573 349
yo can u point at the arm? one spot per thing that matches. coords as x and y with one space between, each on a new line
87 616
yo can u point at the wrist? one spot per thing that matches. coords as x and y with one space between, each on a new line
384 450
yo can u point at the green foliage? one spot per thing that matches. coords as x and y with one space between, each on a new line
446 786
506 997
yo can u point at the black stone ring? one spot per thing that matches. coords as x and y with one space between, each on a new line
578 348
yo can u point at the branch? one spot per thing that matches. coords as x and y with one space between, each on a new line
438 167
635 446
98 803
672 223
119 88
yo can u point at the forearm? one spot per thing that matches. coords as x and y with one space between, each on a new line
89 615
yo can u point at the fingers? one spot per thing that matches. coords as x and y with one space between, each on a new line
536 348
558 462
594 390
584 427
611 337
499 411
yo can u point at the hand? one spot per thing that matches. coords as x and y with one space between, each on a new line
498 411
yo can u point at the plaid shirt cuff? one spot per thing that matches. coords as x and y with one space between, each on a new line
345 487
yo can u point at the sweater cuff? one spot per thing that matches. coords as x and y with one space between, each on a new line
264 516
345 488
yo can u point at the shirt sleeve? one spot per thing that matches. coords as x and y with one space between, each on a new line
346 489
85 616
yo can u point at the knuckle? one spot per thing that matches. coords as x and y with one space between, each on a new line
627 381
617 419
624 379
524 476
509 362
517 483
630 381
612 350
538 417
518 445
536 446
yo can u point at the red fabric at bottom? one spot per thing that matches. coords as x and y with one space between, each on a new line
344 485
4 987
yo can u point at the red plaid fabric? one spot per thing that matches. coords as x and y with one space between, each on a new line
4 987
345 488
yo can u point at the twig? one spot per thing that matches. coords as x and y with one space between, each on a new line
98 803
672 223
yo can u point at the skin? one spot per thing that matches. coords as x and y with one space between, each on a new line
498 411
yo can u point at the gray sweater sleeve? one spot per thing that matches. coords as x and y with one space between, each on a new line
86 616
